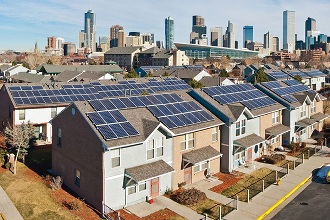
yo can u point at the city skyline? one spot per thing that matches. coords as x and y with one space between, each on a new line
22 26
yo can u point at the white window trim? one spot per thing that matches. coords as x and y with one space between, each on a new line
276 117
313 107
23 113
241 129
158 143
215 134
129 187
112 157
200 166
186 141
140 184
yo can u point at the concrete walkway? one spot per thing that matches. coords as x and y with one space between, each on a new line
7 208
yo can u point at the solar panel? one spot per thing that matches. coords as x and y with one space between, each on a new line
279 75
315 73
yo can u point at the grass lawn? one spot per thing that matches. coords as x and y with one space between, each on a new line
303 151
210 207
160 215
32 198
240 188
284 163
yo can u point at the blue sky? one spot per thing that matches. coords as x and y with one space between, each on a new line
25 22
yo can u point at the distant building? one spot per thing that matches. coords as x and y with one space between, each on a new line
51 42
268 41
229 37
114 36
216 36
169 33
276 44
300 45
198 30
170 58
90 30
310 25
289 31
247 35
69 48
121 38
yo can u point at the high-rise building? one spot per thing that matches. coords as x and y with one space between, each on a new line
322 38
69 48
90 31
198 26
311 39
114 29
51 42
276 44
169 33
82 37
247 35
268 41
289 30
216 36
121 38
59 43
198 20
310 25
229 37
146 38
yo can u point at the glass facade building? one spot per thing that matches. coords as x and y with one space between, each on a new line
202 52
169 33
247 34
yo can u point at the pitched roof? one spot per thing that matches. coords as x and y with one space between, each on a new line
180 73
151 50
148 171
249 140
319 116
80 68
123 50
163 54
30 78
277 130
212 81
66 75
90 75
305 122
201 154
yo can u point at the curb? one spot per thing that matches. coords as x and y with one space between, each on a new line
283 199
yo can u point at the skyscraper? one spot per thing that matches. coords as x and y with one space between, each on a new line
289 30
268 41
51 42
114 35
198 20
198 26
90 30
216 36
169 33
229 37
310 25
247 35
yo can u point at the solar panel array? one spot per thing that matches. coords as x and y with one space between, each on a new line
134 102
279 75
35 95
315 73
246 94
292 87
294 73
112 124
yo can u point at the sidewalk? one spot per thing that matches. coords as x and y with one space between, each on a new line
7 207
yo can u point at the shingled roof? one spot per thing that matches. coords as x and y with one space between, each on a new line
249 140
201 154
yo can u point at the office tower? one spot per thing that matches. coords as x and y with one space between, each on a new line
51 42
289 31
322 38
114 29
160 44
152 38
268 41
59 42
198 20
146 38
276 44
247 35
194 37
82 39
310 25
90 31
229 37
69 48
169 33
134 34
216 36
121 38
300 45
311 39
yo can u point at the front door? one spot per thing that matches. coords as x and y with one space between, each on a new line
155 187
187 175
249 156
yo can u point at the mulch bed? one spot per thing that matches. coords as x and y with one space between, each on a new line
228 180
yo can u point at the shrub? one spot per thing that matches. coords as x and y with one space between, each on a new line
303 145
73 205
180 185
53 182
189 196
169 192
271 159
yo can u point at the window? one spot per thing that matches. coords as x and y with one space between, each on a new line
200 167
160 146
302 132
276 117
21 114
142 186
59 137
275 140
77 178
115 158
187 141
303 111
215 134
131 190
240 127
151 149
53 112
313 107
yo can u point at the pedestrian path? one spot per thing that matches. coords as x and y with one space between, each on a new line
7 208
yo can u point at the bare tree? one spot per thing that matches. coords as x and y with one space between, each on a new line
19 137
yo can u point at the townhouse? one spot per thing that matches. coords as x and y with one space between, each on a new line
119 151
303 108
246 134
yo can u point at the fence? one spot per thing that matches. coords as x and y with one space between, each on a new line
111 214
219 211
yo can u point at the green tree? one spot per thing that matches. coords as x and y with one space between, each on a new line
14 63
308 66
260 76
50 62
149 74
131 74
19 137
195 84
298 78
166 73
224 73
145 92
26 65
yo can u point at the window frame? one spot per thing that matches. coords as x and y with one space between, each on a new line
313 107
114 156
129 192
142 184
21 114
303 111
240 127
52 112
201 167
215 134
160 142
276 117
151 150
59 137
186 141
